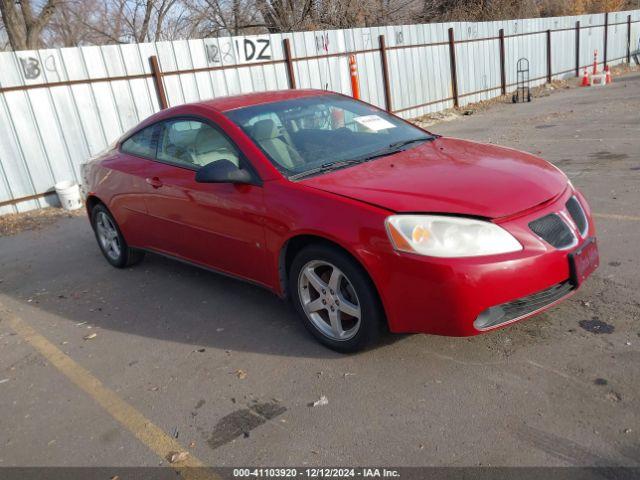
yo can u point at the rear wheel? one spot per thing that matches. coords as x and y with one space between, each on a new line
110 239
335 299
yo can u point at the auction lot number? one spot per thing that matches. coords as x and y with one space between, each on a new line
314 473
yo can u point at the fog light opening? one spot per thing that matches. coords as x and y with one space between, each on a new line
491 316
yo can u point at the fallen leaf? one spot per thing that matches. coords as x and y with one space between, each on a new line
320 402
614 396
192 445
241 374
175 457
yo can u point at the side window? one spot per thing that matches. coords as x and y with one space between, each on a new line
143 143
194 144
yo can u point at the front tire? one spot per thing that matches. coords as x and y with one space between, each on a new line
335 298
110 240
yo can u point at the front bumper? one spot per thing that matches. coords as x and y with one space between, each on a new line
446 296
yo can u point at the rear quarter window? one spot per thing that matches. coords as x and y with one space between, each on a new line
143 143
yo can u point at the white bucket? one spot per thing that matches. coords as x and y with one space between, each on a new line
69 195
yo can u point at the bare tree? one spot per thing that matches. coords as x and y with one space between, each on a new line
79 22
224 17
553 8
478 10
23 24
66 30
35 23
284 15
4 41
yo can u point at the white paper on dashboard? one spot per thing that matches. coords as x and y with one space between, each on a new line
374 122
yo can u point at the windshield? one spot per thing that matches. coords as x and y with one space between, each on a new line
314 134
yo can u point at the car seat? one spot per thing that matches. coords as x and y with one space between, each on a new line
268 135
211 146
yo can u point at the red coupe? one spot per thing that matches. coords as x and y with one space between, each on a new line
363 220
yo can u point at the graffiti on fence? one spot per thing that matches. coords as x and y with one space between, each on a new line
322 42
366 39
239 51
32 69
258 50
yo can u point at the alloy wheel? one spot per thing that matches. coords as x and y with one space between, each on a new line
108 236
329 300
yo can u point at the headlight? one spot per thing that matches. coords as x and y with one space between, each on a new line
440 236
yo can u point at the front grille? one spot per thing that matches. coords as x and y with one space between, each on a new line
523 306
577 214
553 230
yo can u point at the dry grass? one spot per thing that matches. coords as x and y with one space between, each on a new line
15 223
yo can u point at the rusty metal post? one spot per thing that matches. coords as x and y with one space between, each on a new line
503 72
287 58
606 36
452 64
629 39
578 48
157 80
385 73
549 67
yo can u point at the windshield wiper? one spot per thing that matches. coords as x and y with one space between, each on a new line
325 167
391 149
388 150
402 143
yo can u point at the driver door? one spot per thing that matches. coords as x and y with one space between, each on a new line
216 225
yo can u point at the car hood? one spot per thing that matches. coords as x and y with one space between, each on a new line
449 176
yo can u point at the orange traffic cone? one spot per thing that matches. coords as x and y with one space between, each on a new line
608 75
585 79
353 70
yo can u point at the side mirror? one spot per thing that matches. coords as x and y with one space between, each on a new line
223 171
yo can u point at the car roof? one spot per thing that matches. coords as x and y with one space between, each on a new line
224 104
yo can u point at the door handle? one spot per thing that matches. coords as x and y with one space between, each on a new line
154 182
